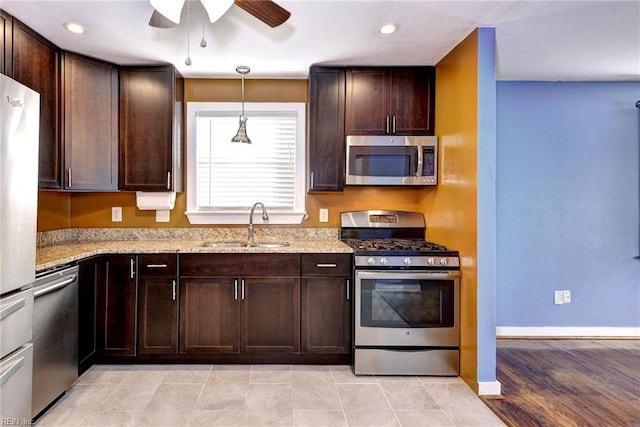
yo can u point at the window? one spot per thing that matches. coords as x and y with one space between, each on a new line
225 179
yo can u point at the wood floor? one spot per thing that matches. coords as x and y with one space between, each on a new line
568 382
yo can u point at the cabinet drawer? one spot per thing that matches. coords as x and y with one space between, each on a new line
326 264
157 265
16 321
241 265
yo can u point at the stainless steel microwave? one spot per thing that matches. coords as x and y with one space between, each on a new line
392 160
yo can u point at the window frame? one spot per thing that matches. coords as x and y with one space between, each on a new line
201 216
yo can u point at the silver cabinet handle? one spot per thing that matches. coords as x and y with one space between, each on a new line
54 287
9 309
133 270
69 177
169 180
311 184
235 289
242 289
12 369
326 265
156 265
173 294
348 286
387 124
393 126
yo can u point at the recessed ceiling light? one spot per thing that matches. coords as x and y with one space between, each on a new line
75 28
388 28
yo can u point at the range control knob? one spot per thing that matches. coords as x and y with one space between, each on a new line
371 261
430 261
443 261
407 261
384 261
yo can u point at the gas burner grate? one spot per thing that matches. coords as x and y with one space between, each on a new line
395 244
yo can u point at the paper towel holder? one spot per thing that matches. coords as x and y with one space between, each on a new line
151 201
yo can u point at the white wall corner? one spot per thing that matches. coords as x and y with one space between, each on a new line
489 388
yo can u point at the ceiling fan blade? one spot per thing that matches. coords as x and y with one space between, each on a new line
265 10
159 21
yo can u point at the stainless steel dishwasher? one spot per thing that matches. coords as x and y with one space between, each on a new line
55 336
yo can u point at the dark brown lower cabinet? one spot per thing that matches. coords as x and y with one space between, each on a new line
88 278
157 315
326 303
270 315
209 315
326 320
116 321
157 304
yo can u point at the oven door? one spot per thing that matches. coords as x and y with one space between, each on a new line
407 309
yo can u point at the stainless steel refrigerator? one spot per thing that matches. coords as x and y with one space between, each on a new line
19 134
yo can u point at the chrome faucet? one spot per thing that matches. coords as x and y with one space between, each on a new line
265 217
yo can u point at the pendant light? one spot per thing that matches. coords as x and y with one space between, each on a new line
241 136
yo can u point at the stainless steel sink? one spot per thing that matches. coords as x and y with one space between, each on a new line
270 245
245 245
224 244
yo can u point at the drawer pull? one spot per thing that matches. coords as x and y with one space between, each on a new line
326 265
10 370
12 308
156 265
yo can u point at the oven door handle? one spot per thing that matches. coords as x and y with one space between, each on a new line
408 274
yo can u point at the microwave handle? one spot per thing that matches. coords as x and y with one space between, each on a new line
420 160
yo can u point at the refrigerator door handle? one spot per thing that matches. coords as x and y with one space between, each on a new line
12 308
12 369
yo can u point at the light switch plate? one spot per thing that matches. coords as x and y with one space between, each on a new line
162 215
324 215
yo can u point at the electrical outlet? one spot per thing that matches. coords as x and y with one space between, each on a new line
324 215
558 297
116 214
566 297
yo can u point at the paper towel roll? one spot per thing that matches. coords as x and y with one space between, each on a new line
155 201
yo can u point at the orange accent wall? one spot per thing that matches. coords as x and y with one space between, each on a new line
54 210
451 210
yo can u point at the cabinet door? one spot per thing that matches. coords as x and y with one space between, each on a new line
88 278
326 314
326 143
367 101
117 307
147 96
6 45
36 63
412 100
270 315
209 315
90 92
157 315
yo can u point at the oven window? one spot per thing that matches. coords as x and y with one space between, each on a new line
403 303
383 161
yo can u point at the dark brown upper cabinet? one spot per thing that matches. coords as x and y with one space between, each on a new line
90 123
6 46
151 106
35 62
325 142
390 101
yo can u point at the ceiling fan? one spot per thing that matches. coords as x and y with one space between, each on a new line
166 13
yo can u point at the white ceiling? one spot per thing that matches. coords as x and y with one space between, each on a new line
536 40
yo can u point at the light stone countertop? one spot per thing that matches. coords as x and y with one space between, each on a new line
59 254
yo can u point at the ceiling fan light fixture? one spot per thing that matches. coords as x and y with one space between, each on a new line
170 9
216 8
241 136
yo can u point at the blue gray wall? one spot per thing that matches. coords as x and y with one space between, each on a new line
567 203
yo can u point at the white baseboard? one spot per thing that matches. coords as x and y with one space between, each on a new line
568 332
489 388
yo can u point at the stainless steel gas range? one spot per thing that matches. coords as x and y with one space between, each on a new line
407 296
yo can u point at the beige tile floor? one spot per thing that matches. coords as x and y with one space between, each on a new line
259 395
